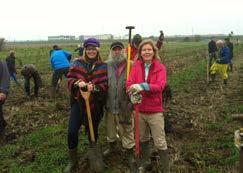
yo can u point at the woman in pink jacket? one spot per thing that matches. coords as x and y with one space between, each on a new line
148 78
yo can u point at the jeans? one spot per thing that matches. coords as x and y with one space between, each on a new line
14 77
57 74
77 119
27 86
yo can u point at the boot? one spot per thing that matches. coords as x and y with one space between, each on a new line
230 67
112 148
164 161
225 81
53 92
73 154
212 76
131 160
145 162
2 137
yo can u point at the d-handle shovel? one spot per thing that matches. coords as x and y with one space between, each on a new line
94 153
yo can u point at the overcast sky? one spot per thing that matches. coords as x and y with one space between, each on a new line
36 19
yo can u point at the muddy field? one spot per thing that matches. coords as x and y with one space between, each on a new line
198 118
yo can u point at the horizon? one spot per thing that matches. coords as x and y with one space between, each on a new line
166 36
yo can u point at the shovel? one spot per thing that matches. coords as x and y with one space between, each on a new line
94 153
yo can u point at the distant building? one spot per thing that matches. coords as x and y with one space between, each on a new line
99 37
121 37
61 37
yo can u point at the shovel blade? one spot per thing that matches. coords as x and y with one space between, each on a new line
95 159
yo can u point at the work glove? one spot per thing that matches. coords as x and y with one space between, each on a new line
136 98
135 88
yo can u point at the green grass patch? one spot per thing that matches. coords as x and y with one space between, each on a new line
183 79
214 126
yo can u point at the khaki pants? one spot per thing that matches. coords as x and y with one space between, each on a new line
114 128
155 124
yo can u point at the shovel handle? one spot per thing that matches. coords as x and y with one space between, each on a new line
128 59
86 95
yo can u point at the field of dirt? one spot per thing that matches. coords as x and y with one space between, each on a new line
198 124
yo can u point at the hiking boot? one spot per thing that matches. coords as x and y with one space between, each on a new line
73 154
164 161
112 149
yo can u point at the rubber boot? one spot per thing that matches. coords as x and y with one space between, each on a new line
164 161
53 92
73 154
112 149
231 67
225 82
145 162
131 160
212 76
2 137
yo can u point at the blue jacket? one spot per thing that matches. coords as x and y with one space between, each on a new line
60 59
224 55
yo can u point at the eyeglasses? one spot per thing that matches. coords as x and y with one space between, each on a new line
91 49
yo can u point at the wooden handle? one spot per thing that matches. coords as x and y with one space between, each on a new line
86 95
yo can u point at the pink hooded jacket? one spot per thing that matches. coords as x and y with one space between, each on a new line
152 99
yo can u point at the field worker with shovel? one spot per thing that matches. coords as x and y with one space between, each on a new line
10 60
148 77
29 71
118 119
88 74
222 61
59 60
4 87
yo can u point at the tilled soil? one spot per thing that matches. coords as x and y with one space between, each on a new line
187 116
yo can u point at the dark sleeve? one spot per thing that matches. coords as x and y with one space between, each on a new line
4 78
11 64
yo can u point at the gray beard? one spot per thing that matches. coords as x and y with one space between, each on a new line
117 59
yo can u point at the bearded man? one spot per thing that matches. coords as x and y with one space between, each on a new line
119 119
